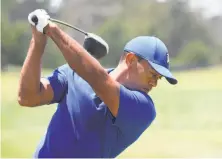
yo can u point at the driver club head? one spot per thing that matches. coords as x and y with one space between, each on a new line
96 46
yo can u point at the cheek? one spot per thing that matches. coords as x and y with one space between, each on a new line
139 75
142 76
140 69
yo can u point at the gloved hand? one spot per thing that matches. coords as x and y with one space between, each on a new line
39 18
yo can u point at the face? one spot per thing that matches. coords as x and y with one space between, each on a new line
141 75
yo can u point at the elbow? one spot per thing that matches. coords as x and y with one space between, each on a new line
24 102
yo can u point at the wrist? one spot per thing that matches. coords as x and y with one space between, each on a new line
39 42
37 46
49 28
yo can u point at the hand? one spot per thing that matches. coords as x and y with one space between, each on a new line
39 18
38 37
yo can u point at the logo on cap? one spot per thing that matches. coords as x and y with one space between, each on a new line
168 57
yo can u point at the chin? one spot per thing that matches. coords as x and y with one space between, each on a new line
149 90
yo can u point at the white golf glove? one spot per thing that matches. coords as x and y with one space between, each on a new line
39 18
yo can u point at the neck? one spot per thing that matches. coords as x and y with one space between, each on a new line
120 74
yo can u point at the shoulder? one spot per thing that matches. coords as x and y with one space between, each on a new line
136 109
64 71
64 68
135 98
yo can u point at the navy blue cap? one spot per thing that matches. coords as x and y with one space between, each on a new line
155 52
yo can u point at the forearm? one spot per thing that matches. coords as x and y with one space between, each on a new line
77 57
31 71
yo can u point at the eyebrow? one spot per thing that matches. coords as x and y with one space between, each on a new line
139 58
154 72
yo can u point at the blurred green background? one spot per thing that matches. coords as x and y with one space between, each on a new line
189 120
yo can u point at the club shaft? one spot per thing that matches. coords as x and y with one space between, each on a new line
66 24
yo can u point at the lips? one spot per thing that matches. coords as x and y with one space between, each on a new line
146 89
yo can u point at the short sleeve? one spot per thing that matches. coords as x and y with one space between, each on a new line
59 83
136 112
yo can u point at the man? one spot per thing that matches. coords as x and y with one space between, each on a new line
100 112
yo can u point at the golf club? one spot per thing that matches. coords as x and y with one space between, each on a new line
93 43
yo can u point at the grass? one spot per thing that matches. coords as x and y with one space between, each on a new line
188 123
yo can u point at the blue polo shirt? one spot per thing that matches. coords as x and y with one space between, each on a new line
83 126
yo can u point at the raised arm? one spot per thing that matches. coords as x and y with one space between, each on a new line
32 91
86 66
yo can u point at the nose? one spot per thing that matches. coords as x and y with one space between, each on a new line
153 83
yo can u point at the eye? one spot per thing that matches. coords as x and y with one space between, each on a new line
155 76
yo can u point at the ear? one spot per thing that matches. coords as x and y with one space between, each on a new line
130 59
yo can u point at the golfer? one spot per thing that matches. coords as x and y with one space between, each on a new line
100 111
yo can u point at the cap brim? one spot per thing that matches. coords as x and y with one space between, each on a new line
164 72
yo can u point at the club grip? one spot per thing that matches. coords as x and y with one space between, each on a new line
35 19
